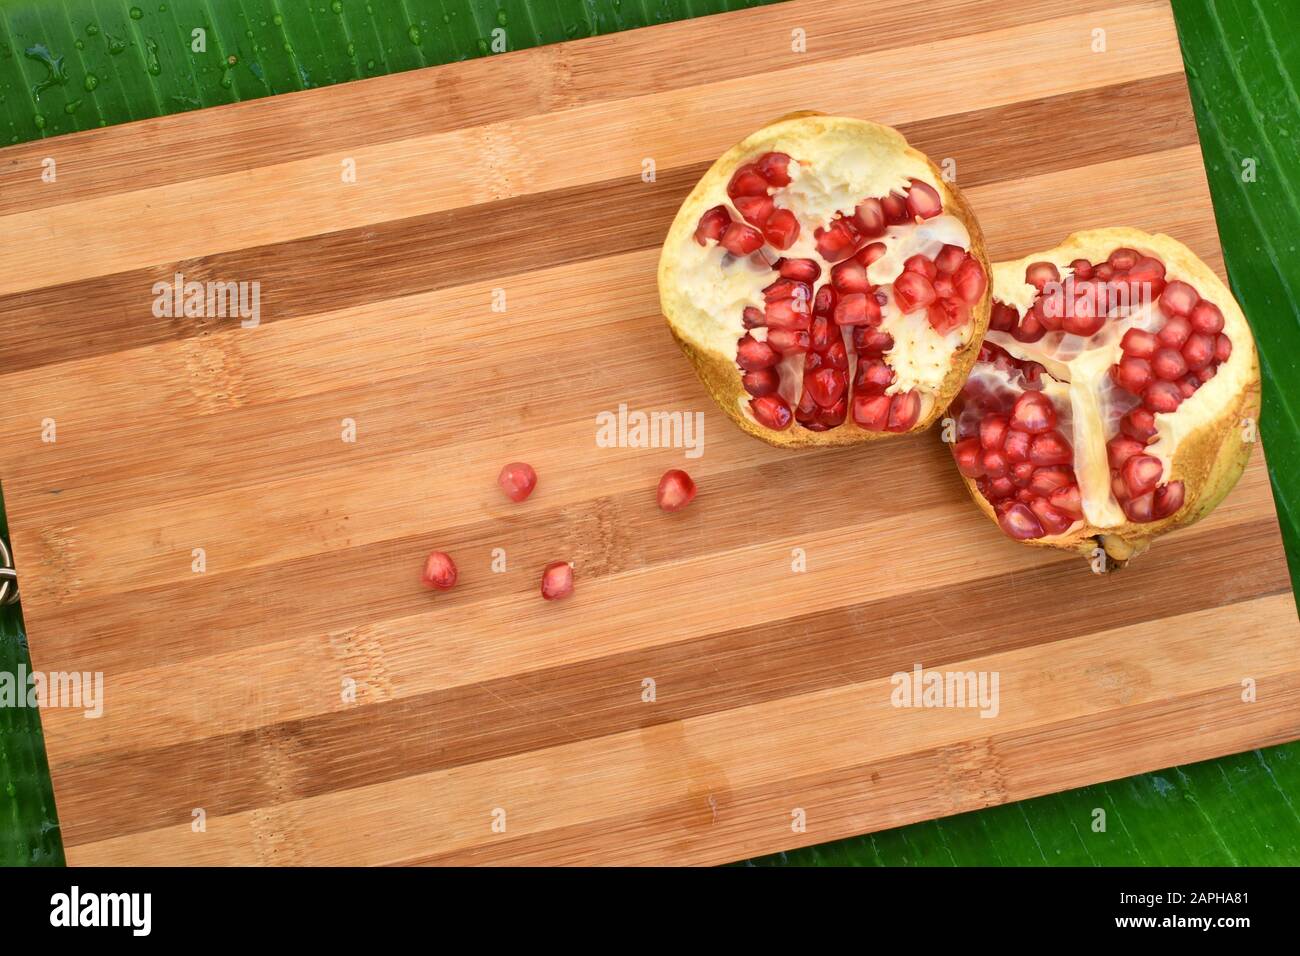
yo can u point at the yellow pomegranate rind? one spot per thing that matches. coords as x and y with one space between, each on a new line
1213 453
797 135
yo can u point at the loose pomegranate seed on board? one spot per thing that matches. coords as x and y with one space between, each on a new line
517 480
557 580
676 490
439 571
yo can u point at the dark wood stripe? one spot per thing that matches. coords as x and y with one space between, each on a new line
386 260
713 823
528 711
217 141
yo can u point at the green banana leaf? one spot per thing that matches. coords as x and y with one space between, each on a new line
68 65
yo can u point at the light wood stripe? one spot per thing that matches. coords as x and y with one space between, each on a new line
223 689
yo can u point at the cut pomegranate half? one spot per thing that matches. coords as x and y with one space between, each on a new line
1115 397
826 283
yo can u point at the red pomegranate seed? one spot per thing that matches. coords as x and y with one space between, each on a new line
1206 373
995 463
904 411
740 239
439 571
970 457
676 490
1030 329
1198 351
870 218
756 209
1053 521
1121 448
1038 274
1175 332
1133 374
787 314
949 259
874 374
1169 365
752 317
873 341
782 229
869 253
922 266
993 431
871 411
1003 487
747 181
850 276
771 411
751 354
1047 480
1033 412
1188 386
1050 448
1003 317
827 385
1140 509
943 287
1178 298
1022 472
923 200
947 314
824 332
1103 272
712 224
1123 259
970 282
1222 348
517 480
1016 445
799 270
895 207
1147 276
786 341
1168 499
1206 317
1068 500
1020 523
837 241
1162 396
760 382
1082 316
857 309
912 291
1139 423
1139 343
1081 268
557 580
774 167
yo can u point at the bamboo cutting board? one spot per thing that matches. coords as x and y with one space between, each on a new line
316 705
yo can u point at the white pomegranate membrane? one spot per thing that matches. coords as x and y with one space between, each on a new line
1097 356
890 269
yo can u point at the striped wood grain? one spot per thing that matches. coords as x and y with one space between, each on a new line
522 172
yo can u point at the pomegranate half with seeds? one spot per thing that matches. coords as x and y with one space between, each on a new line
1116 395
826 283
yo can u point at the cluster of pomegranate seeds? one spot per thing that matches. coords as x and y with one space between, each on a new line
1021 460
806 321
1173 346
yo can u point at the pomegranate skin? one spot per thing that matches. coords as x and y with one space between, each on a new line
557 580
1212 452
439 572
717 369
